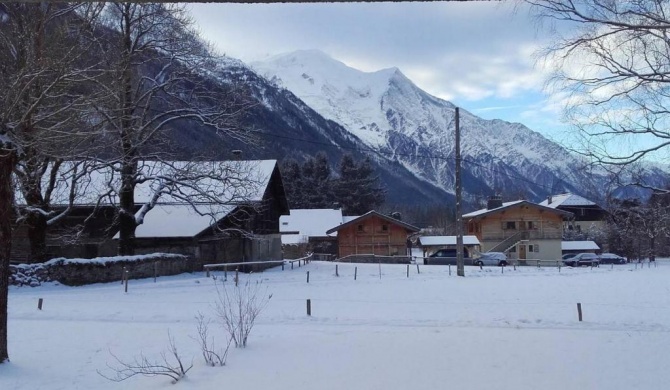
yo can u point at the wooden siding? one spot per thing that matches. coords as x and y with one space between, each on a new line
370 237
539 223
542 228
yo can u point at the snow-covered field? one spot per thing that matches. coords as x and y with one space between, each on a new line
489 330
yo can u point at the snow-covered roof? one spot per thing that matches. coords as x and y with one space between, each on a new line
447 240
484 211
179 220
579 246
307 223
567 200
379 215
244 181
506 205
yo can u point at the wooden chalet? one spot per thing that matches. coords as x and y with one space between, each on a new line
522 229
586 214
373 234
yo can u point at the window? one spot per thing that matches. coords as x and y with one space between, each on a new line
532 225
360 228
533 248
385 228
284 223
511 225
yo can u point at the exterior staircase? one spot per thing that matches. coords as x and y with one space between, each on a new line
510 242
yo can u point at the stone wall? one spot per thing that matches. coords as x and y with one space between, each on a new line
77 272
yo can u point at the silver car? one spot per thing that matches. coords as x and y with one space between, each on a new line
492 258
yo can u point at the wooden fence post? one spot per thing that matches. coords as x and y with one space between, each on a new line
309 307
307 276
579 311
417 268
355 272
126 288
408 270
237 276
39 304
336 271
155 270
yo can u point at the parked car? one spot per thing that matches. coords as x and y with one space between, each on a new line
612 258
567 256
581 259
447 257
492 258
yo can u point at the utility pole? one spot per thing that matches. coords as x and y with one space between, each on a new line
460 266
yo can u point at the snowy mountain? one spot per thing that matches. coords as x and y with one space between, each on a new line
284 126
405 125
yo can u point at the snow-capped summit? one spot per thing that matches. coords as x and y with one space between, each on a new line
338 92
392 115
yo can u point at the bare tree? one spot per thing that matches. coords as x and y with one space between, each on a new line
238 307
641 225
41 67
157 81
212 355
612 67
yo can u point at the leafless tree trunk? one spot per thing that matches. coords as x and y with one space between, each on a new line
6 216
36 77
154 57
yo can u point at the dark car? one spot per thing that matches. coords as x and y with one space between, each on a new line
611 258
581 259
447 257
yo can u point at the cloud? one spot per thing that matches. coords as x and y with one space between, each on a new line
475 54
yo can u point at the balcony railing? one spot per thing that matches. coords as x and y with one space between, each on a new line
528 235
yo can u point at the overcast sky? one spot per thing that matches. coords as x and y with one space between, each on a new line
478 55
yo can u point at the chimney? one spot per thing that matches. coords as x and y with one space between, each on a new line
494 202
549 199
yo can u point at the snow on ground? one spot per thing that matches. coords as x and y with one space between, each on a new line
489 330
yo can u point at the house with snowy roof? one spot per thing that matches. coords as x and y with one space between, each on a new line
373 234
522 229
587 215
209 219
